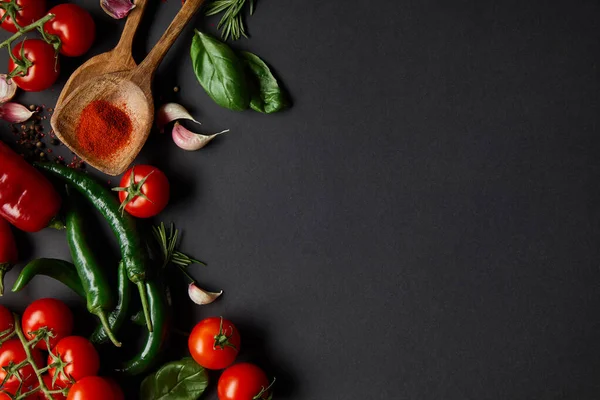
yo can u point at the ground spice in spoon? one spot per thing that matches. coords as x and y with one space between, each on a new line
103 129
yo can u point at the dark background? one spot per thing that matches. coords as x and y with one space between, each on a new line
422 224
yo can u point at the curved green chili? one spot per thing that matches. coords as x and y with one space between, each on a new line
94 282
119 314
123 226
156 339
60 270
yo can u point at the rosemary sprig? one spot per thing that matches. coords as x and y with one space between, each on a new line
232 21
168 244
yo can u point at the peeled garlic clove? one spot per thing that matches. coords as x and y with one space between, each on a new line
201 296
117 9
191 141
171 112
14 113
8 88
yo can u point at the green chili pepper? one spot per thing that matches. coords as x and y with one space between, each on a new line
94 282
60 270
156 339
119 314
133 253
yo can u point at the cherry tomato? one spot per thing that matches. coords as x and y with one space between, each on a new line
30 11
92 388
243 381
50 313
7 322
214 343
57 386
144 191
79 356
12 350
44 69
74 26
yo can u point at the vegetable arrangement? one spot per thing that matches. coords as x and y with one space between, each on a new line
234 79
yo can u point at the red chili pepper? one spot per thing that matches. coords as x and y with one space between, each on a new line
8 251
27 199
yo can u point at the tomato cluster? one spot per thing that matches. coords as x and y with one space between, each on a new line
214 344
73 362
72 31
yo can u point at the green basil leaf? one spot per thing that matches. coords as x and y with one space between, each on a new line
178 380
220 72
267 96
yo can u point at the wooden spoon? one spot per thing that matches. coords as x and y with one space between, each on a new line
118 59
130 90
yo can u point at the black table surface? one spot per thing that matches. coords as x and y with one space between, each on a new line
422 224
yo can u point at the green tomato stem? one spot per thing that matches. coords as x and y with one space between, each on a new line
37 24
30 358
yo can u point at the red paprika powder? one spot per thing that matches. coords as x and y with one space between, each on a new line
103 128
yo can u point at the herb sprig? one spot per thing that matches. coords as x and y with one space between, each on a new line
168 244
232 21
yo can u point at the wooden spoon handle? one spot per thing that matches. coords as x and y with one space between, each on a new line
147 68
131 25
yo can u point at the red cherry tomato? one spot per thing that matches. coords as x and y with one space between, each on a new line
74 26
57 386
50 313
7 322
214 343
12 351
44 69
92 388
243 381
30 11
144 199
79 356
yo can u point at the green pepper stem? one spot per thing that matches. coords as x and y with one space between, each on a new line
145 306
102 316
56 223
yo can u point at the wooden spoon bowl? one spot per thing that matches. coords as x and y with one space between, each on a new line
130 90
117 89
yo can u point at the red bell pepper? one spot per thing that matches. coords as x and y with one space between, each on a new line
27 199
8 251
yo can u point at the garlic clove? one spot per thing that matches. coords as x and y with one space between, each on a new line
190 141
170 112
201 296
8 88
14 113
117 9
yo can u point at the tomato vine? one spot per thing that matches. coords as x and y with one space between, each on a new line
12 370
